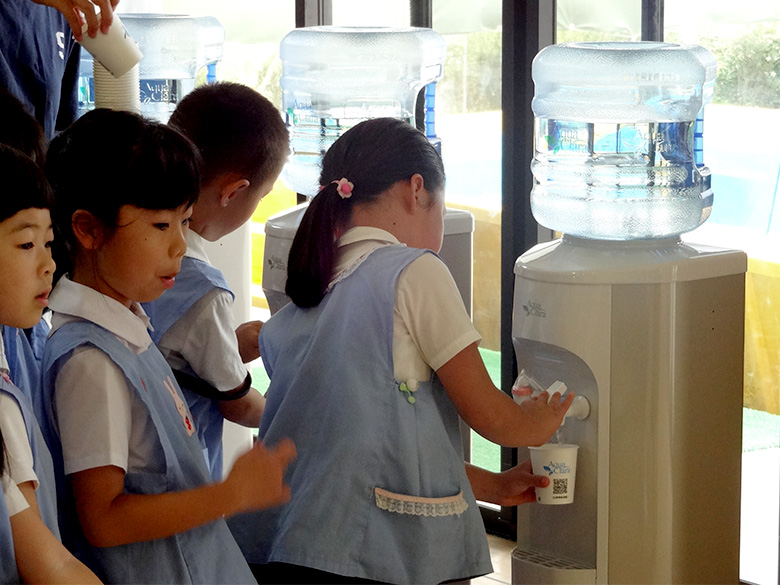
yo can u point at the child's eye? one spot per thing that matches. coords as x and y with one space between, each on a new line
186 221
49 244
27 246
161 226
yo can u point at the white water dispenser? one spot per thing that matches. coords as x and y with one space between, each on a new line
334 78
647 328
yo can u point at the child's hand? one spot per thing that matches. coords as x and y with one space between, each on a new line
257 478
548 412
247 335
518 484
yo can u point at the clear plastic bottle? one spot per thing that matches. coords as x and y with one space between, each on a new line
175 48
618 139
334 77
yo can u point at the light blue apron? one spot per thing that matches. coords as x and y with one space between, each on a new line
195 279
45 493
206 554
24 355
379 488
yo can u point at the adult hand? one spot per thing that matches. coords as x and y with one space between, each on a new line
79 11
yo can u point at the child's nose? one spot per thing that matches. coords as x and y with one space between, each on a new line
47 263
179 245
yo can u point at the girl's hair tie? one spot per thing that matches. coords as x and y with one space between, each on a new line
344 188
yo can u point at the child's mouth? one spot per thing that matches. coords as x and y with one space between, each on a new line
43 298
168 281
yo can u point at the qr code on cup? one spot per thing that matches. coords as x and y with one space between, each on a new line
560 486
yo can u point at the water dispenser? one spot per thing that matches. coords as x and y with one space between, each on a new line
175 47
645 327
333 78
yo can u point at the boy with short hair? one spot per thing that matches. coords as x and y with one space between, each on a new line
244 144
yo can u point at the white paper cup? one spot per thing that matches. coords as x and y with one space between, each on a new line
116 50
558 462
117 93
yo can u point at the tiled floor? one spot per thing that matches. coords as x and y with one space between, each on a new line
501 556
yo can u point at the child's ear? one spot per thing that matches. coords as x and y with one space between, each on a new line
420 197
230 189
87 228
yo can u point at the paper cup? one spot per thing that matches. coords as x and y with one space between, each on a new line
116 50
117 93
559 463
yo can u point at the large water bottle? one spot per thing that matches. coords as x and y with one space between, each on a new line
618 139
175 47
334 77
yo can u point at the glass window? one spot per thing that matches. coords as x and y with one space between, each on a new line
390 13
739 149
610 20
468 112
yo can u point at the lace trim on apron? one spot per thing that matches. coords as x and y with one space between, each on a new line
416 506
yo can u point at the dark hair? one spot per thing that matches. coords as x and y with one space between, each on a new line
18 128
107 159
235 128
24 187
373 156
24 184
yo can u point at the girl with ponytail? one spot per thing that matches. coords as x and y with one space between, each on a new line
370 366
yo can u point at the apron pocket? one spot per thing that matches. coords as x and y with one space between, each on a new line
417 506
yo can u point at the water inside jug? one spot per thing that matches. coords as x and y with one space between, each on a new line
619 139
175 47
335 77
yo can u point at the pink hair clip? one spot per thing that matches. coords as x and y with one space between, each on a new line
344 188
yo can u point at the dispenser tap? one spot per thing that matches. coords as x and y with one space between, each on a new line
579 409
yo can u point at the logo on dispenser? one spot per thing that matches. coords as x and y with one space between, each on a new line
276 263
533 309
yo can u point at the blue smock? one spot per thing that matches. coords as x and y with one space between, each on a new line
205 554
379 488
194 280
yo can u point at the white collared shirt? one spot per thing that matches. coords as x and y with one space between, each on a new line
204 337
102 422
430 321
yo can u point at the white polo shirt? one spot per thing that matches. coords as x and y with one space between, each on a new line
102 421
430 321
204 337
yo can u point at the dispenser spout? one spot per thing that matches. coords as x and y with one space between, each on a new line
526 386
580 407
